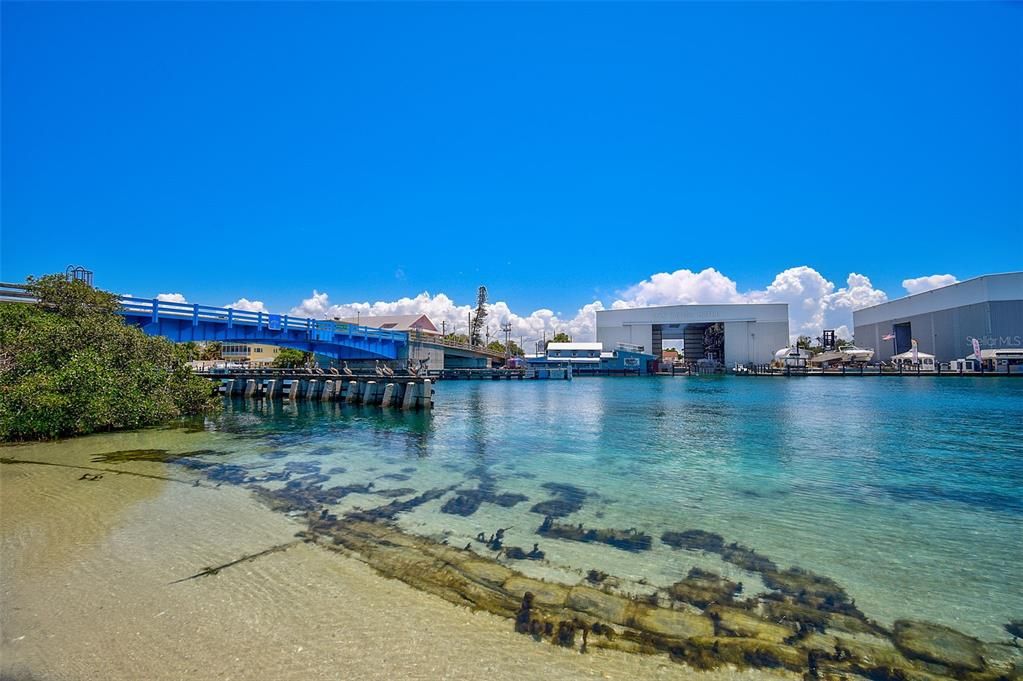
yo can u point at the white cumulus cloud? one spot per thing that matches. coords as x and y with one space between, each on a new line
444 312
921 284
171 297
248 305
815 303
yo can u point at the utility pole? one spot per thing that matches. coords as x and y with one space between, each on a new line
507 327
443 328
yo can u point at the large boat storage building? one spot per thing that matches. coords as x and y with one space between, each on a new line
944 321
730 334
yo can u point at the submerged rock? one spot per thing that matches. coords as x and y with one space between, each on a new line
627 540
810 589
940 644
397 492
695 539
468 501
567 500
702 587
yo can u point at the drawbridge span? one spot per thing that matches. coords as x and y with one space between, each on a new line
183 322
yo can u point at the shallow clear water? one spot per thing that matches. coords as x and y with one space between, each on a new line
907 491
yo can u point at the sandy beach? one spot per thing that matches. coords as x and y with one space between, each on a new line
88 590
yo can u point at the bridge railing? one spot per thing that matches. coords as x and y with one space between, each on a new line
416 336
156 310
316 328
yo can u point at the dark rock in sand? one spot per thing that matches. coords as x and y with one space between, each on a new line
337 470
939 644
275 454
1014 628
400 477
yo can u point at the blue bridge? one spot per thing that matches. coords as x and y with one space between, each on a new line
183 322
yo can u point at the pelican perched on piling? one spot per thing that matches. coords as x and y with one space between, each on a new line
345 370
388 371
377 368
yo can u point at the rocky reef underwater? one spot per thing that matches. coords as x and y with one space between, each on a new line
805 622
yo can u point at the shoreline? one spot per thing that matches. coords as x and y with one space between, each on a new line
87 589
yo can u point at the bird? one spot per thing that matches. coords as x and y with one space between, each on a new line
345 370
376 367
388 371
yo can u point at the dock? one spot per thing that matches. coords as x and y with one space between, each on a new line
877 371
400 392
561 373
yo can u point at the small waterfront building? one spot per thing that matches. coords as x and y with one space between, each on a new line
249 353
945 321
591 358
725 334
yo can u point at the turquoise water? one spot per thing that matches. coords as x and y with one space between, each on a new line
906 491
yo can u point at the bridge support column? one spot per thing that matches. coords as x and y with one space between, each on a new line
250 387
353 392
388 399
313 390
293 389
369 392
409 400
328 390
425 400
271 388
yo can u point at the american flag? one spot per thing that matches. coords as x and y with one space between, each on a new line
890 336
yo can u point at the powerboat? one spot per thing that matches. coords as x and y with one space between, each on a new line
845 354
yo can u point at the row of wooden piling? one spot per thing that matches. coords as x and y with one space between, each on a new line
410 394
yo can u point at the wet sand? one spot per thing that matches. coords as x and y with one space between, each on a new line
86 580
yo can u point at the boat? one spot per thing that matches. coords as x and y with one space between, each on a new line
845 354
791 356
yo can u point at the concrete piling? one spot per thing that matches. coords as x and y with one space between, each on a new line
402 392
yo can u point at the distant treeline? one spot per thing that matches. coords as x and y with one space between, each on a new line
69 365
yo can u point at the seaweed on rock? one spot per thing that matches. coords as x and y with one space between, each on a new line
627 540
721 635
702 587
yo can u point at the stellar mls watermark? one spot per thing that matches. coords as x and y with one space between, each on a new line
998 341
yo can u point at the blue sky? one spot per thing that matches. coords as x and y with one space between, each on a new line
558 153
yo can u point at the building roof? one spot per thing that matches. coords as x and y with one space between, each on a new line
982 289
575 346
401 322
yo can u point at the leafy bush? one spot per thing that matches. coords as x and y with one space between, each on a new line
70 366
290 357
